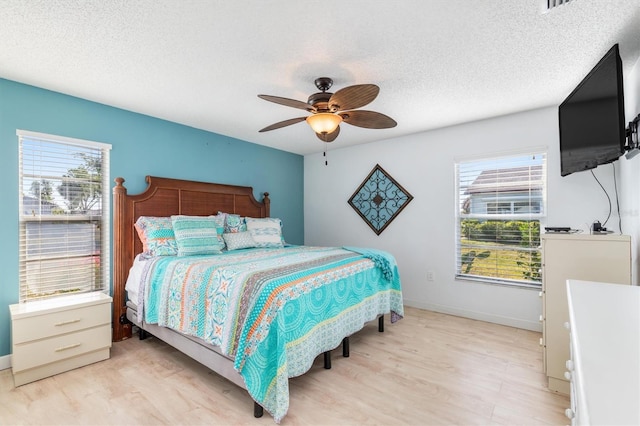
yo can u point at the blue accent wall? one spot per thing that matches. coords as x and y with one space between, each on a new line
141 145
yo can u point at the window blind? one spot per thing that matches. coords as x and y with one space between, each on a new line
64 216
501 202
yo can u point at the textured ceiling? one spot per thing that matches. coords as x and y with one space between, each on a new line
202 63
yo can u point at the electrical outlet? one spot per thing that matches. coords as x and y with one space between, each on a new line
429 275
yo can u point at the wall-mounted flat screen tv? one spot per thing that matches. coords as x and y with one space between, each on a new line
591 119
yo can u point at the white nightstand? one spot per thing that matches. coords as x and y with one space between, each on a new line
56 335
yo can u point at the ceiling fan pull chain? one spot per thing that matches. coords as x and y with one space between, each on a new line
326 163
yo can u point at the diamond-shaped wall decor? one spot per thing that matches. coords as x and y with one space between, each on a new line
379 199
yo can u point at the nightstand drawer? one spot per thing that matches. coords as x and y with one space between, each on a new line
45 351
61 322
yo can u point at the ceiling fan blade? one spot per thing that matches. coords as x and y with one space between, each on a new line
284 123
368 119
329 137
353 97
287 102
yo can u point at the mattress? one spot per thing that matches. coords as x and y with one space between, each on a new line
133 279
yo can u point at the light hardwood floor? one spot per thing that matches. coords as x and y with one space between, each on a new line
427 369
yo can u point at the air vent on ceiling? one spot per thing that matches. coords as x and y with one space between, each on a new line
547 5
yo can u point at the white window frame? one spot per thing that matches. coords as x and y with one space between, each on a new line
66 252
497 272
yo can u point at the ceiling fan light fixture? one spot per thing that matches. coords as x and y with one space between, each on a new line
324 122
328 110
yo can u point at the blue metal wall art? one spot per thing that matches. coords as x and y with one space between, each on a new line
379 199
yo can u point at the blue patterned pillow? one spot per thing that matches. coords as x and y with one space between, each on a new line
233 222
156 234
238 240
198 234
266 232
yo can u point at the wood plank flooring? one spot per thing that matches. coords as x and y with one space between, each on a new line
427 369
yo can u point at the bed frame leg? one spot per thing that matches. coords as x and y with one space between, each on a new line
327 360
258 411
381 323
345 347
143 334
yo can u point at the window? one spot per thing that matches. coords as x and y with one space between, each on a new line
501 203
64 216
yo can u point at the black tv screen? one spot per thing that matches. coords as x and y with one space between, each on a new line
592 118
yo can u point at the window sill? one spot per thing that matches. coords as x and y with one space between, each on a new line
498 282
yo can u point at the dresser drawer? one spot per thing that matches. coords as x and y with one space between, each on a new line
56 323
44 351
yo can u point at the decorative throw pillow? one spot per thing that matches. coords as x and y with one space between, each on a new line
238 240
198 234
266 232
233 222
157 236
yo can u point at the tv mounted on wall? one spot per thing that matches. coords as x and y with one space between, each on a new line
592 130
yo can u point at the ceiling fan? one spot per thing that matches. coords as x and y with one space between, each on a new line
328 109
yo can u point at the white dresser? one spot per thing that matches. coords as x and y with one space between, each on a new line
56 335
604 369
605 258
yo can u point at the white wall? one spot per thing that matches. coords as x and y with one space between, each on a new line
422 236
630 171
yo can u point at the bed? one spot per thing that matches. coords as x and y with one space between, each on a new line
255 314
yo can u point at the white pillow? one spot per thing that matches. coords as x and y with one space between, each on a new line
266 232
238 240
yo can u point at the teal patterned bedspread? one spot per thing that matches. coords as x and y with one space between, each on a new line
272 310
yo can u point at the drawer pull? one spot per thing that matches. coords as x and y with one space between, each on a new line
64 348
569 365
567 375
567 325
569 413
58 324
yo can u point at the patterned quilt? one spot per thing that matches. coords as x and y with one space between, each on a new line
271 310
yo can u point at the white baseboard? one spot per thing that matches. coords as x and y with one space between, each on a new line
482 316
5 362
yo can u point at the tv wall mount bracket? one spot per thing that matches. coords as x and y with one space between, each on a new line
633 145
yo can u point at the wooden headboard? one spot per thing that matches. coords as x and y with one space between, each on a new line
166 197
